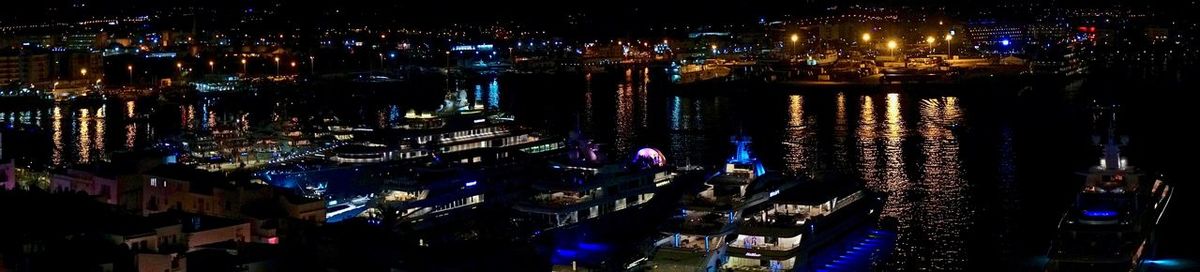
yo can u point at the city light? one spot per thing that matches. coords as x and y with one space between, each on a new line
930 39
795 38
891 45
1004 42
866 37
949 37
83 72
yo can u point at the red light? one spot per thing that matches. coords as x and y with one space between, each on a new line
1092 29
1083 29
273 240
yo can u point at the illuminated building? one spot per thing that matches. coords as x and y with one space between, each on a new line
993 36
24 67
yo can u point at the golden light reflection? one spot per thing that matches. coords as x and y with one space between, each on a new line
624 114
100 128
587 101
642 98
868 164
129 109
130 135
799 147
841 135
85 142
945 212
56 127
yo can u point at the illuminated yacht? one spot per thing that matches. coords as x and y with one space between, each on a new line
427 195
785 233
695 237
1110 226
457 132
587 188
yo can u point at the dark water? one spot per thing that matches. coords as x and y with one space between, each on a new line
976 176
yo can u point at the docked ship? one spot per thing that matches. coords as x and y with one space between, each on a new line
695 238
1111 224
426 195
587 187
788 233
459 131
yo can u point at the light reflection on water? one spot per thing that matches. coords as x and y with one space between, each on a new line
799 139
625 134
945 208
84 145
56 137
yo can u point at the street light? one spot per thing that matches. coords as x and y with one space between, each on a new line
866 37
714 49
276 65
244 66
949 52
293 66
312 64
130 68
891 45
211 67
83 72
930 40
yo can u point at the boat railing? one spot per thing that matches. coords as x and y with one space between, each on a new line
758 243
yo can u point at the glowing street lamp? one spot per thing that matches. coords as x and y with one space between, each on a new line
83 72
211 67
312 64
244 66
930 40
866 37
130 68
276 65
948 51
714 49
891 45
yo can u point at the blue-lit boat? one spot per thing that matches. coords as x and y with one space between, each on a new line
588 188
580 210
1111 224
789 232
694 239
